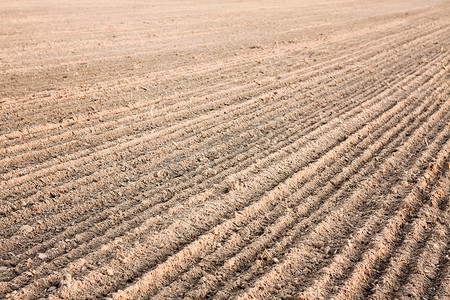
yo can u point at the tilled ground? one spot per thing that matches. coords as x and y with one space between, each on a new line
225 149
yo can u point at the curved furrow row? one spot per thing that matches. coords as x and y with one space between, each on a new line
388 280
279 151
361 240
12 172
442 289
200 270
310 206
319 187
177 222
275 102
422 269
185 229
257 145
42 154
209 71
301 256
323 251
336 175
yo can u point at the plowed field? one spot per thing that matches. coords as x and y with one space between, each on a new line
225 149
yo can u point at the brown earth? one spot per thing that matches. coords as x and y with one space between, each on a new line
225 149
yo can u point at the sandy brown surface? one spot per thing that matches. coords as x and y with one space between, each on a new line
224 149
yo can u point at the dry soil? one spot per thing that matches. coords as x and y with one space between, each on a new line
225 149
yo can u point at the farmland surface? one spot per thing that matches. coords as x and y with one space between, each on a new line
225 149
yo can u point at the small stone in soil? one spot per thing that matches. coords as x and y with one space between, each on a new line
42 256
26 229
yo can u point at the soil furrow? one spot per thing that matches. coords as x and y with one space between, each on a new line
308 207
224 150
307 188
347 262
91 116
151 272
58 125
388 279
327 226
